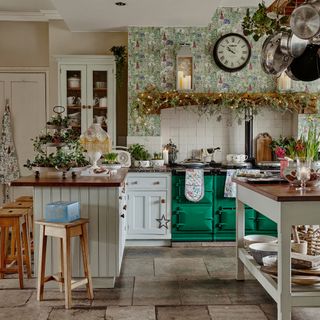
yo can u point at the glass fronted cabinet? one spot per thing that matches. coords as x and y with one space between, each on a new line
87 91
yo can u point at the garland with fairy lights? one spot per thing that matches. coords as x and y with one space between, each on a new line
152 101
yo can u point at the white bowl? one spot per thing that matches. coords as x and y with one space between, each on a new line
258 238
260 250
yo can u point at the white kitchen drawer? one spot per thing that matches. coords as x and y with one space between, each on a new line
147 183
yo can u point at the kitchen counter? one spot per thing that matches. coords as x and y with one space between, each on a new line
103 201
115 180
286 207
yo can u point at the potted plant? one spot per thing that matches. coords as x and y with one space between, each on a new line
110 161
140 155
157 160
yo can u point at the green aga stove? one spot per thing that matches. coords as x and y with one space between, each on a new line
214 217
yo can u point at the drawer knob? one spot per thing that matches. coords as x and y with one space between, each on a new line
163 201
156 182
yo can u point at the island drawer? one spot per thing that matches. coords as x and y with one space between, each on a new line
147 183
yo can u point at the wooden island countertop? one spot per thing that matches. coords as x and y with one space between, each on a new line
115 180
281 192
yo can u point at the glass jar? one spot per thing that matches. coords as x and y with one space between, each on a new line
96 142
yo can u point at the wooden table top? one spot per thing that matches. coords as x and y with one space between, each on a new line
115 180
281 192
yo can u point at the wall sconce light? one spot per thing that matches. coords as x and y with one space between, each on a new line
184 68
283 82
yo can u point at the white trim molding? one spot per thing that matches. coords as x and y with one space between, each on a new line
41 16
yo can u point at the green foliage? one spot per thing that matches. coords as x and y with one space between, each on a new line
110 158
157 156
139 152
120 55
260 24
59 121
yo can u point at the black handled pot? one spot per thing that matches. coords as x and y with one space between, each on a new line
307 66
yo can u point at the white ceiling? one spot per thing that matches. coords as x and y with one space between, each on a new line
104 15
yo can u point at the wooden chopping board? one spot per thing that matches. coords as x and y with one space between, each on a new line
263 150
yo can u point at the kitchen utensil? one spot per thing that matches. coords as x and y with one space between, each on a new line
291 45
301 247
305 20
264 152
260 250
273 61
100 84
229 157
192 163
172 151
100 119
71 100
239 158
103 102
157 163
74 82
307 66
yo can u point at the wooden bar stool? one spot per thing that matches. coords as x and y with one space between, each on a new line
29 207
17 220
24 199
64 231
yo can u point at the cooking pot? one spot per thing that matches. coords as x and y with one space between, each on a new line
273 61
291 45
192 163
305 20
307 66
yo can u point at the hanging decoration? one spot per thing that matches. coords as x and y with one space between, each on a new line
9 168
152 101
120 56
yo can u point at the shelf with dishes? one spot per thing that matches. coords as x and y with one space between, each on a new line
74 89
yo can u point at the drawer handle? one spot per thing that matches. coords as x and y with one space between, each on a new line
156 182
163 201
134 182
120 198
122 215
124 207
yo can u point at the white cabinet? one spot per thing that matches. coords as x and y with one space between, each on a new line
122 220
149 199
87 91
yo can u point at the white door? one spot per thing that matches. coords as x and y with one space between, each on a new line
26 93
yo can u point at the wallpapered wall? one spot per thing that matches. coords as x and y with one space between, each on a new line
152 59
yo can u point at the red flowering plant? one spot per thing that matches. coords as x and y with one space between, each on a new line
281 147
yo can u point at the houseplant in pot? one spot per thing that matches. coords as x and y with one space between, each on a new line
157 160
140 155
110 161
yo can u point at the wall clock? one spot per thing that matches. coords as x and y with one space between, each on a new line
232 52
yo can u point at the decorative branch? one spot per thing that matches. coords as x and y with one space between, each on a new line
120 55
152 101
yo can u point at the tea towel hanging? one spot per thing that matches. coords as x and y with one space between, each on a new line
9 168
194 185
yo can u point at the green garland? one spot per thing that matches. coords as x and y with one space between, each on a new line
120 56
152 101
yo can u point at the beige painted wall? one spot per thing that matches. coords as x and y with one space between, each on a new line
62 41
24 44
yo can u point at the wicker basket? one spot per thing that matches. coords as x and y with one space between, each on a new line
312 236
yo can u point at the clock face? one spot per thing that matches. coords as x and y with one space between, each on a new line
232 52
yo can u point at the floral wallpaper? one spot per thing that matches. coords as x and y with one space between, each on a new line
152 60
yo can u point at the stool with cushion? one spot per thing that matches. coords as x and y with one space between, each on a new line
64 231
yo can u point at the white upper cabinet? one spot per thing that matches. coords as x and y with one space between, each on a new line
87 90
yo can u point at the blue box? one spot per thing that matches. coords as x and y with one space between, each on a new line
62 211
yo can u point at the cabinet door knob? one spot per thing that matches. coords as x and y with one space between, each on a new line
89 107
83 107
163 201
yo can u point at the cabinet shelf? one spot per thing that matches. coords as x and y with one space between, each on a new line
74 89
99 108
74 107
100 89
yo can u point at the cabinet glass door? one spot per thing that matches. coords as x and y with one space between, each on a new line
100 91
73 95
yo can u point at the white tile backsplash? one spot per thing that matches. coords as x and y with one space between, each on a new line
190 133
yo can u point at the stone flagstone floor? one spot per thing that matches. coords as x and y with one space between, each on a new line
156 284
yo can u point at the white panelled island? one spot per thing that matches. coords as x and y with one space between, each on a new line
103 201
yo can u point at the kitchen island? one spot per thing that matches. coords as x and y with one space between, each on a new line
286 207
103 201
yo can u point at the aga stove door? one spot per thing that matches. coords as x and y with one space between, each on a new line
192 218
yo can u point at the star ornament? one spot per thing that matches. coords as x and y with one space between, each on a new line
163 222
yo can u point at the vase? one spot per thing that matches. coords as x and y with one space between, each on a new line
96 142
283 164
